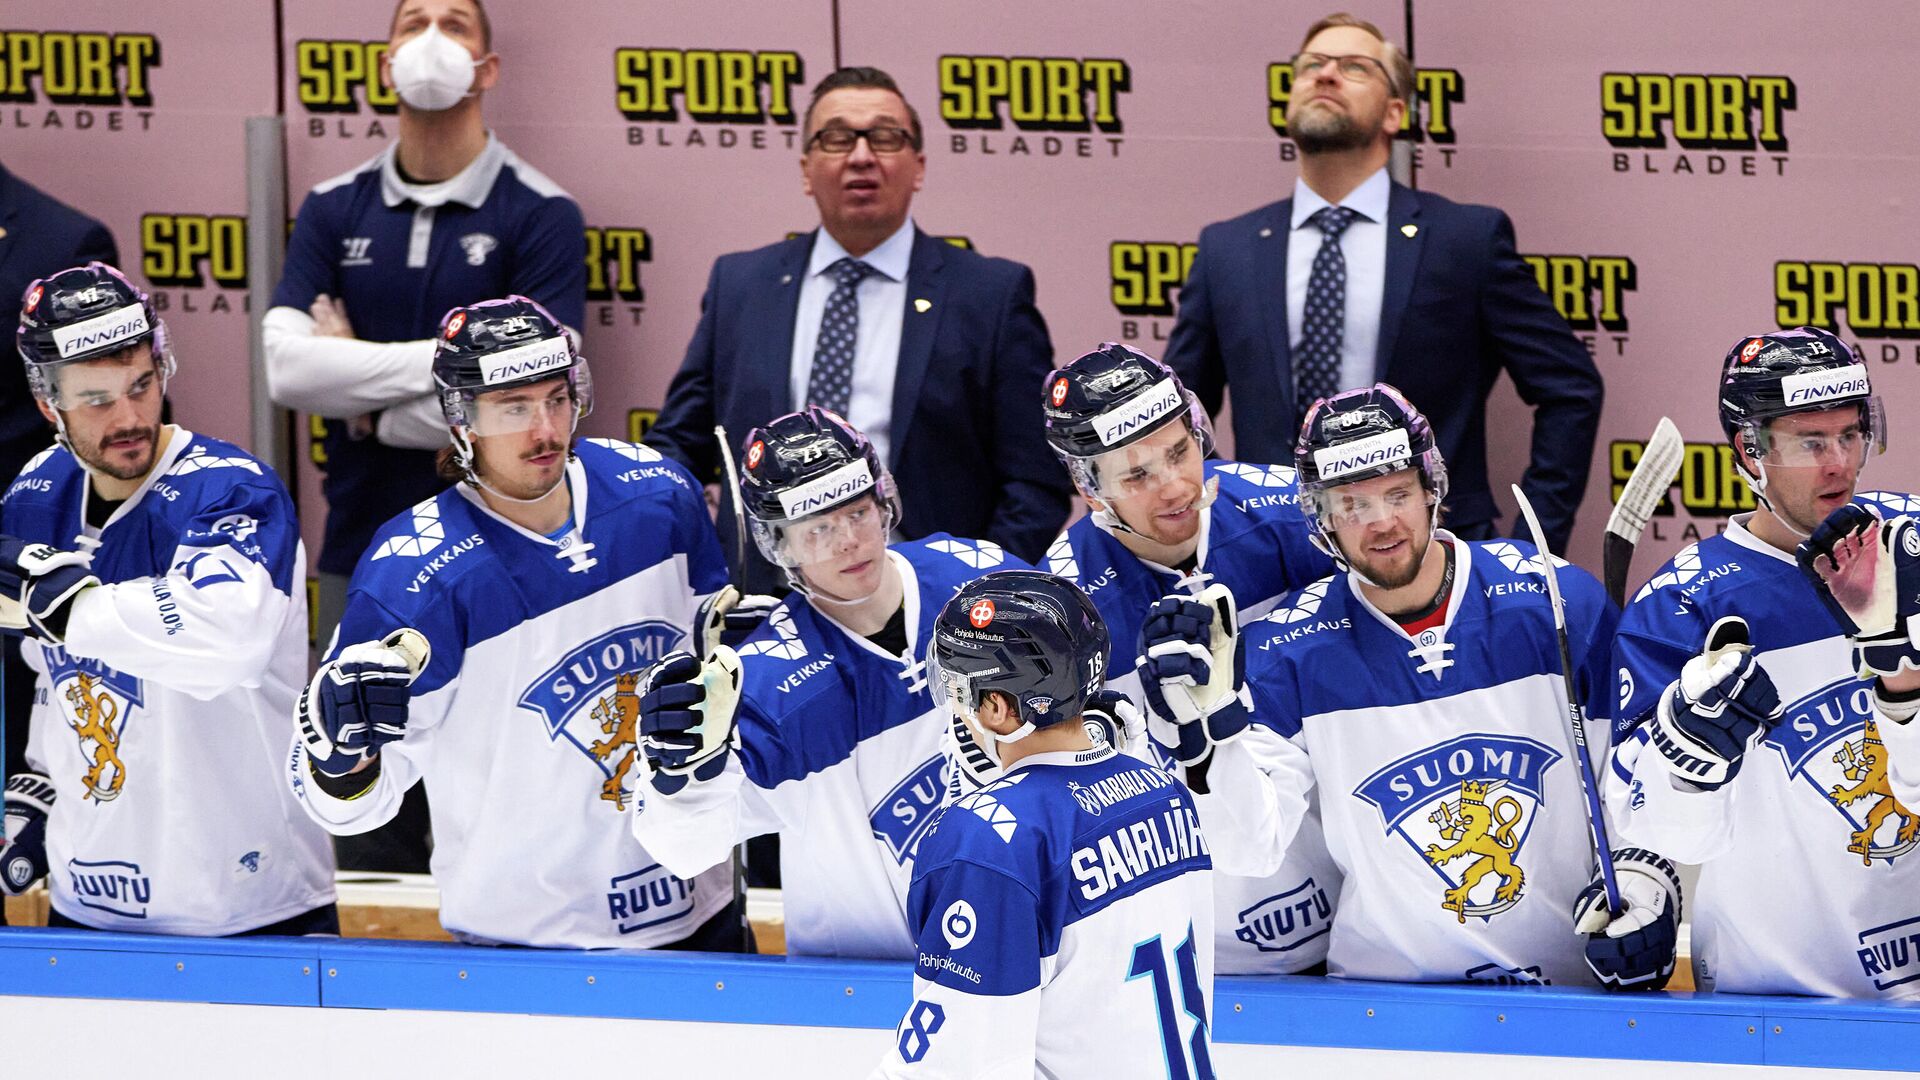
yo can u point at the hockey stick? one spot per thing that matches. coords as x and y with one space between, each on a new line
1602 846
1652 478
739 574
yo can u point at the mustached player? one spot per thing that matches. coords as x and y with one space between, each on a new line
1063 911
159 574
492 646
840 737
1763 735
1166 519
1420 694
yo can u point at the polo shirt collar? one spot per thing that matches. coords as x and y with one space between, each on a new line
468 187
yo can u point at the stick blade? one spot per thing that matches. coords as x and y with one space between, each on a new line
1652 478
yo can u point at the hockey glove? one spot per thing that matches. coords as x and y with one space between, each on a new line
1718 708
38 585
687 717
357 702
1635 949
1111 718
23 856
1867 573
1193 672
727 617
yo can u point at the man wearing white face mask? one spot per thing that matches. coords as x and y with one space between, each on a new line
445 216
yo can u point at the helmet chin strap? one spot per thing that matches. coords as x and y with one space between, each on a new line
1331 547
1108 521
463 449
1759 486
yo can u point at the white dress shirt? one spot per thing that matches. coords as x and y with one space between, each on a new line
876 347
1364 245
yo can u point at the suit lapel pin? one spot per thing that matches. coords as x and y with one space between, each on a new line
786 279
1264 233
1409 231
3 234
922 305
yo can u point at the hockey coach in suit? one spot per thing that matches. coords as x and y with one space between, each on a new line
934 351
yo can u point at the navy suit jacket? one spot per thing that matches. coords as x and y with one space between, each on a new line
39 235
967 448
1459 307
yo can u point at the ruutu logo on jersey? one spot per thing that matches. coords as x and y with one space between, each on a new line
1145 274
589 700
97 704
1589 291
614 255
1466 807
66 67
1890 954
648 897
1429 114
117 888
901 817
1285 921
1880 300
185 250
1831 740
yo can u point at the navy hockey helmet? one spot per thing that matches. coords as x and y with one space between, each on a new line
85 313
501 344
1767 376
1107 400
802 465
1357 435
1031 636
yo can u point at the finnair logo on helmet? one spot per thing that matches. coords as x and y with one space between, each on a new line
837 486
120 325
1833 384
1160 400
1371 452
525 361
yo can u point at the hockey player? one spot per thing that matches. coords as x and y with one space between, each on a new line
840 738
492 646
1420 693
1808 875
1165 519
161 580
1062 912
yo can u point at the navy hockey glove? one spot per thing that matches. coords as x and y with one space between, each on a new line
357 702
1867 573
727 617
38 585
23 857
1193 673
1112 718
1719 707
687 717
1635 949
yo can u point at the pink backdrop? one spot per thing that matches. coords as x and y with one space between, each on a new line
1666 243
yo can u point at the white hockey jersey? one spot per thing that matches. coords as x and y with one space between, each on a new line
523 722
1063 916
163 720
1450 800
1809 877
1254 540
841 753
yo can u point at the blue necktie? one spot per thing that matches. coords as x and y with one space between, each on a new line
830 383
1316 361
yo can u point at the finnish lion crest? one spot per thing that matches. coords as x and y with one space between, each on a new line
1831 740
618 713
588 700
1484 831
1864 763
93 715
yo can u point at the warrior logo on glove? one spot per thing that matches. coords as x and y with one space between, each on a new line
1465 807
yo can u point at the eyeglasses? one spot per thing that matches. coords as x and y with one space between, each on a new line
882 140
1352 68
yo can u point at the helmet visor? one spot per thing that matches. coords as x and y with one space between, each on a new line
82 386
1804 441
1143 469
822 537
560 402
1349 507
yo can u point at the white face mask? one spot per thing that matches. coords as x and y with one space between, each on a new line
432 72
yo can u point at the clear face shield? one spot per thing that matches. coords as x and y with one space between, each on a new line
1145 470
562 401
865 522
1348 508
96 386
1819 440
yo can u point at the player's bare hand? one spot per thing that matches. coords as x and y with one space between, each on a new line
330 317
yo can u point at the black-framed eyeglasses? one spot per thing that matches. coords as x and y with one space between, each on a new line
1352 68
882 140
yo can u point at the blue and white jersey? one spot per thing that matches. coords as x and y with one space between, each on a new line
1442 760
841 752
402 255
523 722
1254 540
163 720
1063 921
1809 878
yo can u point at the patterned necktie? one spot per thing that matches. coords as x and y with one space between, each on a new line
1316 361
830 383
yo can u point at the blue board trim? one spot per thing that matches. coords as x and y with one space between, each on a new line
1274 1011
